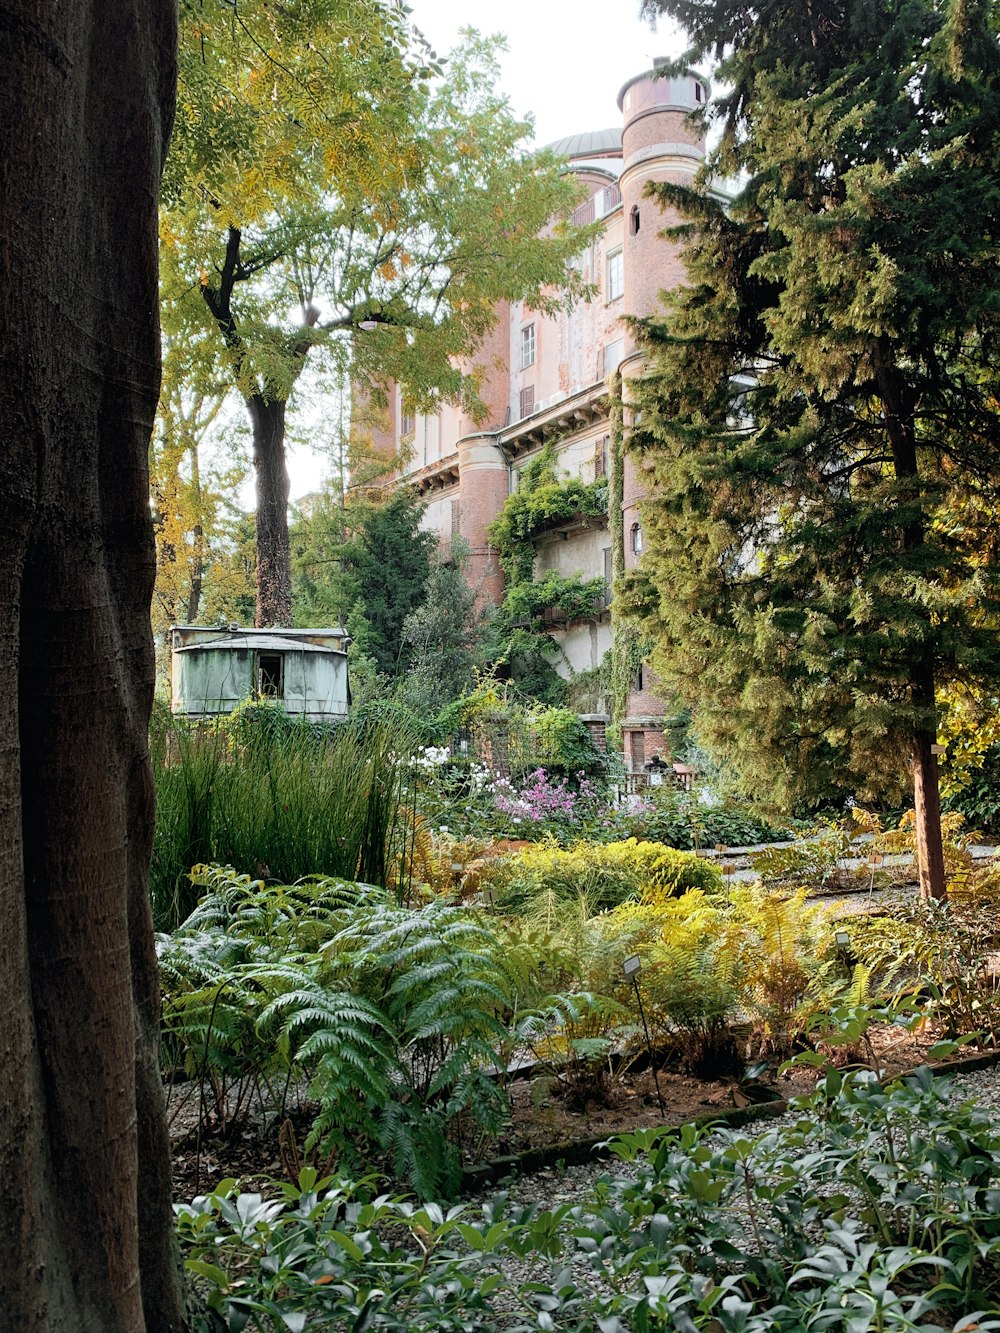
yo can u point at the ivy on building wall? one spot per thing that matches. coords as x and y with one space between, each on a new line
628 651
542 501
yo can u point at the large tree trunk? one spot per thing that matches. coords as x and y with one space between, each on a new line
274 566
86 1236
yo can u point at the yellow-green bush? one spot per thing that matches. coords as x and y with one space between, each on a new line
607 874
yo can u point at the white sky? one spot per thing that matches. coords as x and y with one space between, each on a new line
565 63
566 58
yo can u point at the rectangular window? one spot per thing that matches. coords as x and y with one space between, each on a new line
270 676
616 275
601 452
527 346
613 354
527 401
407 420
607 576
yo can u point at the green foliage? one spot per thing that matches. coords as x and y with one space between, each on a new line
823 388
391 1015
809 862
569 597
542 501
443 636
978 798
944 954
389 561
679 819
517 641
722 1232
274 797
606 874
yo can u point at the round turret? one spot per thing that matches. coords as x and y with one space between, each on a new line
660 142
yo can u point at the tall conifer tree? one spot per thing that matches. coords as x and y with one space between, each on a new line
816 392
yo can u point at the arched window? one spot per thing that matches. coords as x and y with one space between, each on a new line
633 221
636 539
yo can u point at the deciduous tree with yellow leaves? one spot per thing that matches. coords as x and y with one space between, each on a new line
329 177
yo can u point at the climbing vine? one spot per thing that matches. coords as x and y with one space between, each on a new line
628 650
542 500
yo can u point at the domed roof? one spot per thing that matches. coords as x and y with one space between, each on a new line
595 143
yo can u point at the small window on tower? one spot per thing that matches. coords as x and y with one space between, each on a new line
527 346
616 275
699 91
633 220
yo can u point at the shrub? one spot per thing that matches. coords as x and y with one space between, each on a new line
391 1015
607 873
869 1208
277 799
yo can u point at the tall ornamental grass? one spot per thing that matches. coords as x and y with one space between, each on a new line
275 799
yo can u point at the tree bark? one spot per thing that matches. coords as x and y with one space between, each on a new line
927 827
198 532
86 1237
926 795
274 570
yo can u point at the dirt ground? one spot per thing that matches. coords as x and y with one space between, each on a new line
545 1111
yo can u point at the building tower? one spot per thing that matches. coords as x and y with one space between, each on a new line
659 143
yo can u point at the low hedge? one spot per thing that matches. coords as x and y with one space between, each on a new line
609 873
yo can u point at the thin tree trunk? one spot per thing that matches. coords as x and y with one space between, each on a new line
86 1237
926 795
927 808
198 532
274 565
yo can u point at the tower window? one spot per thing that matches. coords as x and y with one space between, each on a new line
633 220
527 346
616 275
699 91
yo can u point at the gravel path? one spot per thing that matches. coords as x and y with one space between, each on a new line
572 1184
575 1184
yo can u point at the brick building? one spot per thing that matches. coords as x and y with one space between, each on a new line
545 379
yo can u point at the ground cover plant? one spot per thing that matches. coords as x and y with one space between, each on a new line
869 1208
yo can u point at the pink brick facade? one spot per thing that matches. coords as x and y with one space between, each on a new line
544 378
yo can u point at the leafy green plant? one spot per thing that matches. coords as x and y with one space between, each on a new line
334 1253
276 799
811 862
391 1015
708 1232
607 873
945 952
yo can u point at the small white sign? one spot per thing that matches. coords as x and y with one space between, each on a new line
632 964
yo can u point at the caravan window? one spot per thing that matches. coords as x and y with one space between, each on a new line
270 675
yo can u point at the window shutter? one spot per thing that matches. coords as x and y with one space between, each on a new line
527 401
